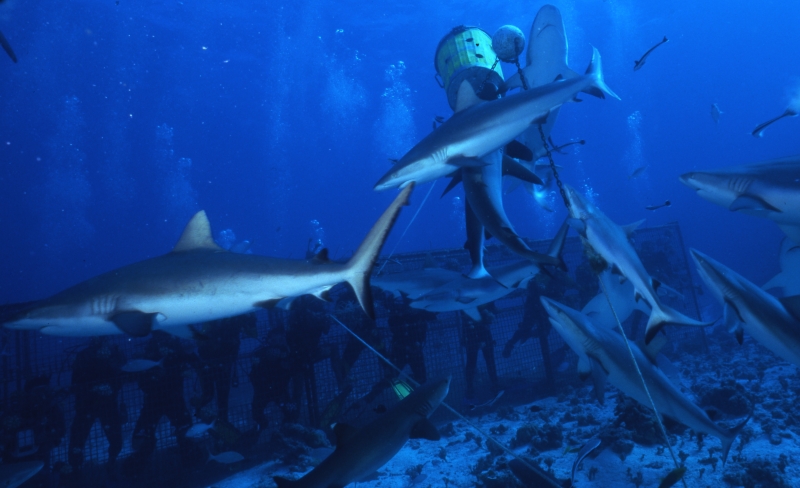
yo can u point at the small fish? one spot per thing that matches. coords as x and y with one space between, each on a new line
139 365
487 404
638 172
7 48
673 477
759 130
198 430
715 112
666 203
227 457
589 447
640 63
560 149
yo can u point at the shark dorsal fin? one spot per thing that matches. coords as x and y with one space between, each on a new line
321 257
466 97
197 235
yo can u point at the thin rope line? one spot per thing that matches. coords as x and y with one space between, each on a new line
639 372
407 227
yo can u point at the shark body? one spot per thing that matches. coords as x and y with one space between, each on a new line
769 189
610 242
197 282
360 452
603 355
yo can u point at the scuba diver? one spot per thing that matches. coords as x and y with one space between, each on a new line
162 386
476 336
96 382
409 330
32 424
218 349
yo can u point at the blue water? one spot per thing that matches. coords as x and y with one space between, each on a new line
122 120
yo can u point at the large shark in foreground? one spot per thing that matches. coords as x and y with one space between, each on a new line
484 128
749 308
197 282
603 355
788 280
13 475
468 294
361 452
769 189
610 243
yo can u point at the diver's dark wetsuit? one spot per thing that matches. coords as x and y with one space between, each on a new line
477 336
96 381
270 376
218 349
163 396
31 426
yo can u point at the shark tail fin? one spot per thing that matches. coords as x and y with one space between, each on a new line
359 268
598 87
284 482
557 246
727 443
663 315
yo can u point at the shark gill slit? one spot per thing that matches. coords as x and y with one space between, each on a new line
455 412
639 372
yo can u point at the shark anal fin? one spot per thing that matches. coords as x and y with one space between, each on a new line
135 323
424 429
518 150
465 300
272 302
752 203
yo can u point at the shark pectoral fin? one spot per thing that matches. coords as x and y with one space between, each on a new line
792 305
135 323
520 171
631 228
472 313
197 236
739 333
518 150
577 224
271 303
599 375
424 429
455 179
584 367
654 348
752 203
343 433
324 295
464 162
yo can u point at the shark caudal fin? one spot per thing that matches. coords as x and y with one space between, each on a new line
359 268
727 443
595 70
663 315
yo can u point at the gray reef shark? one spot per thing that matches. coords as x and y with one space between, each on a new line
603 355
468 294
414 283
547 54
788 280
13 475
360 452
749 308
621 293
770 189
486 127
609 242
199 281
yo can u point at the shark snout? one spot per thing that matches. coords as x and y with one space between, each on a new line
710 269
690 180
